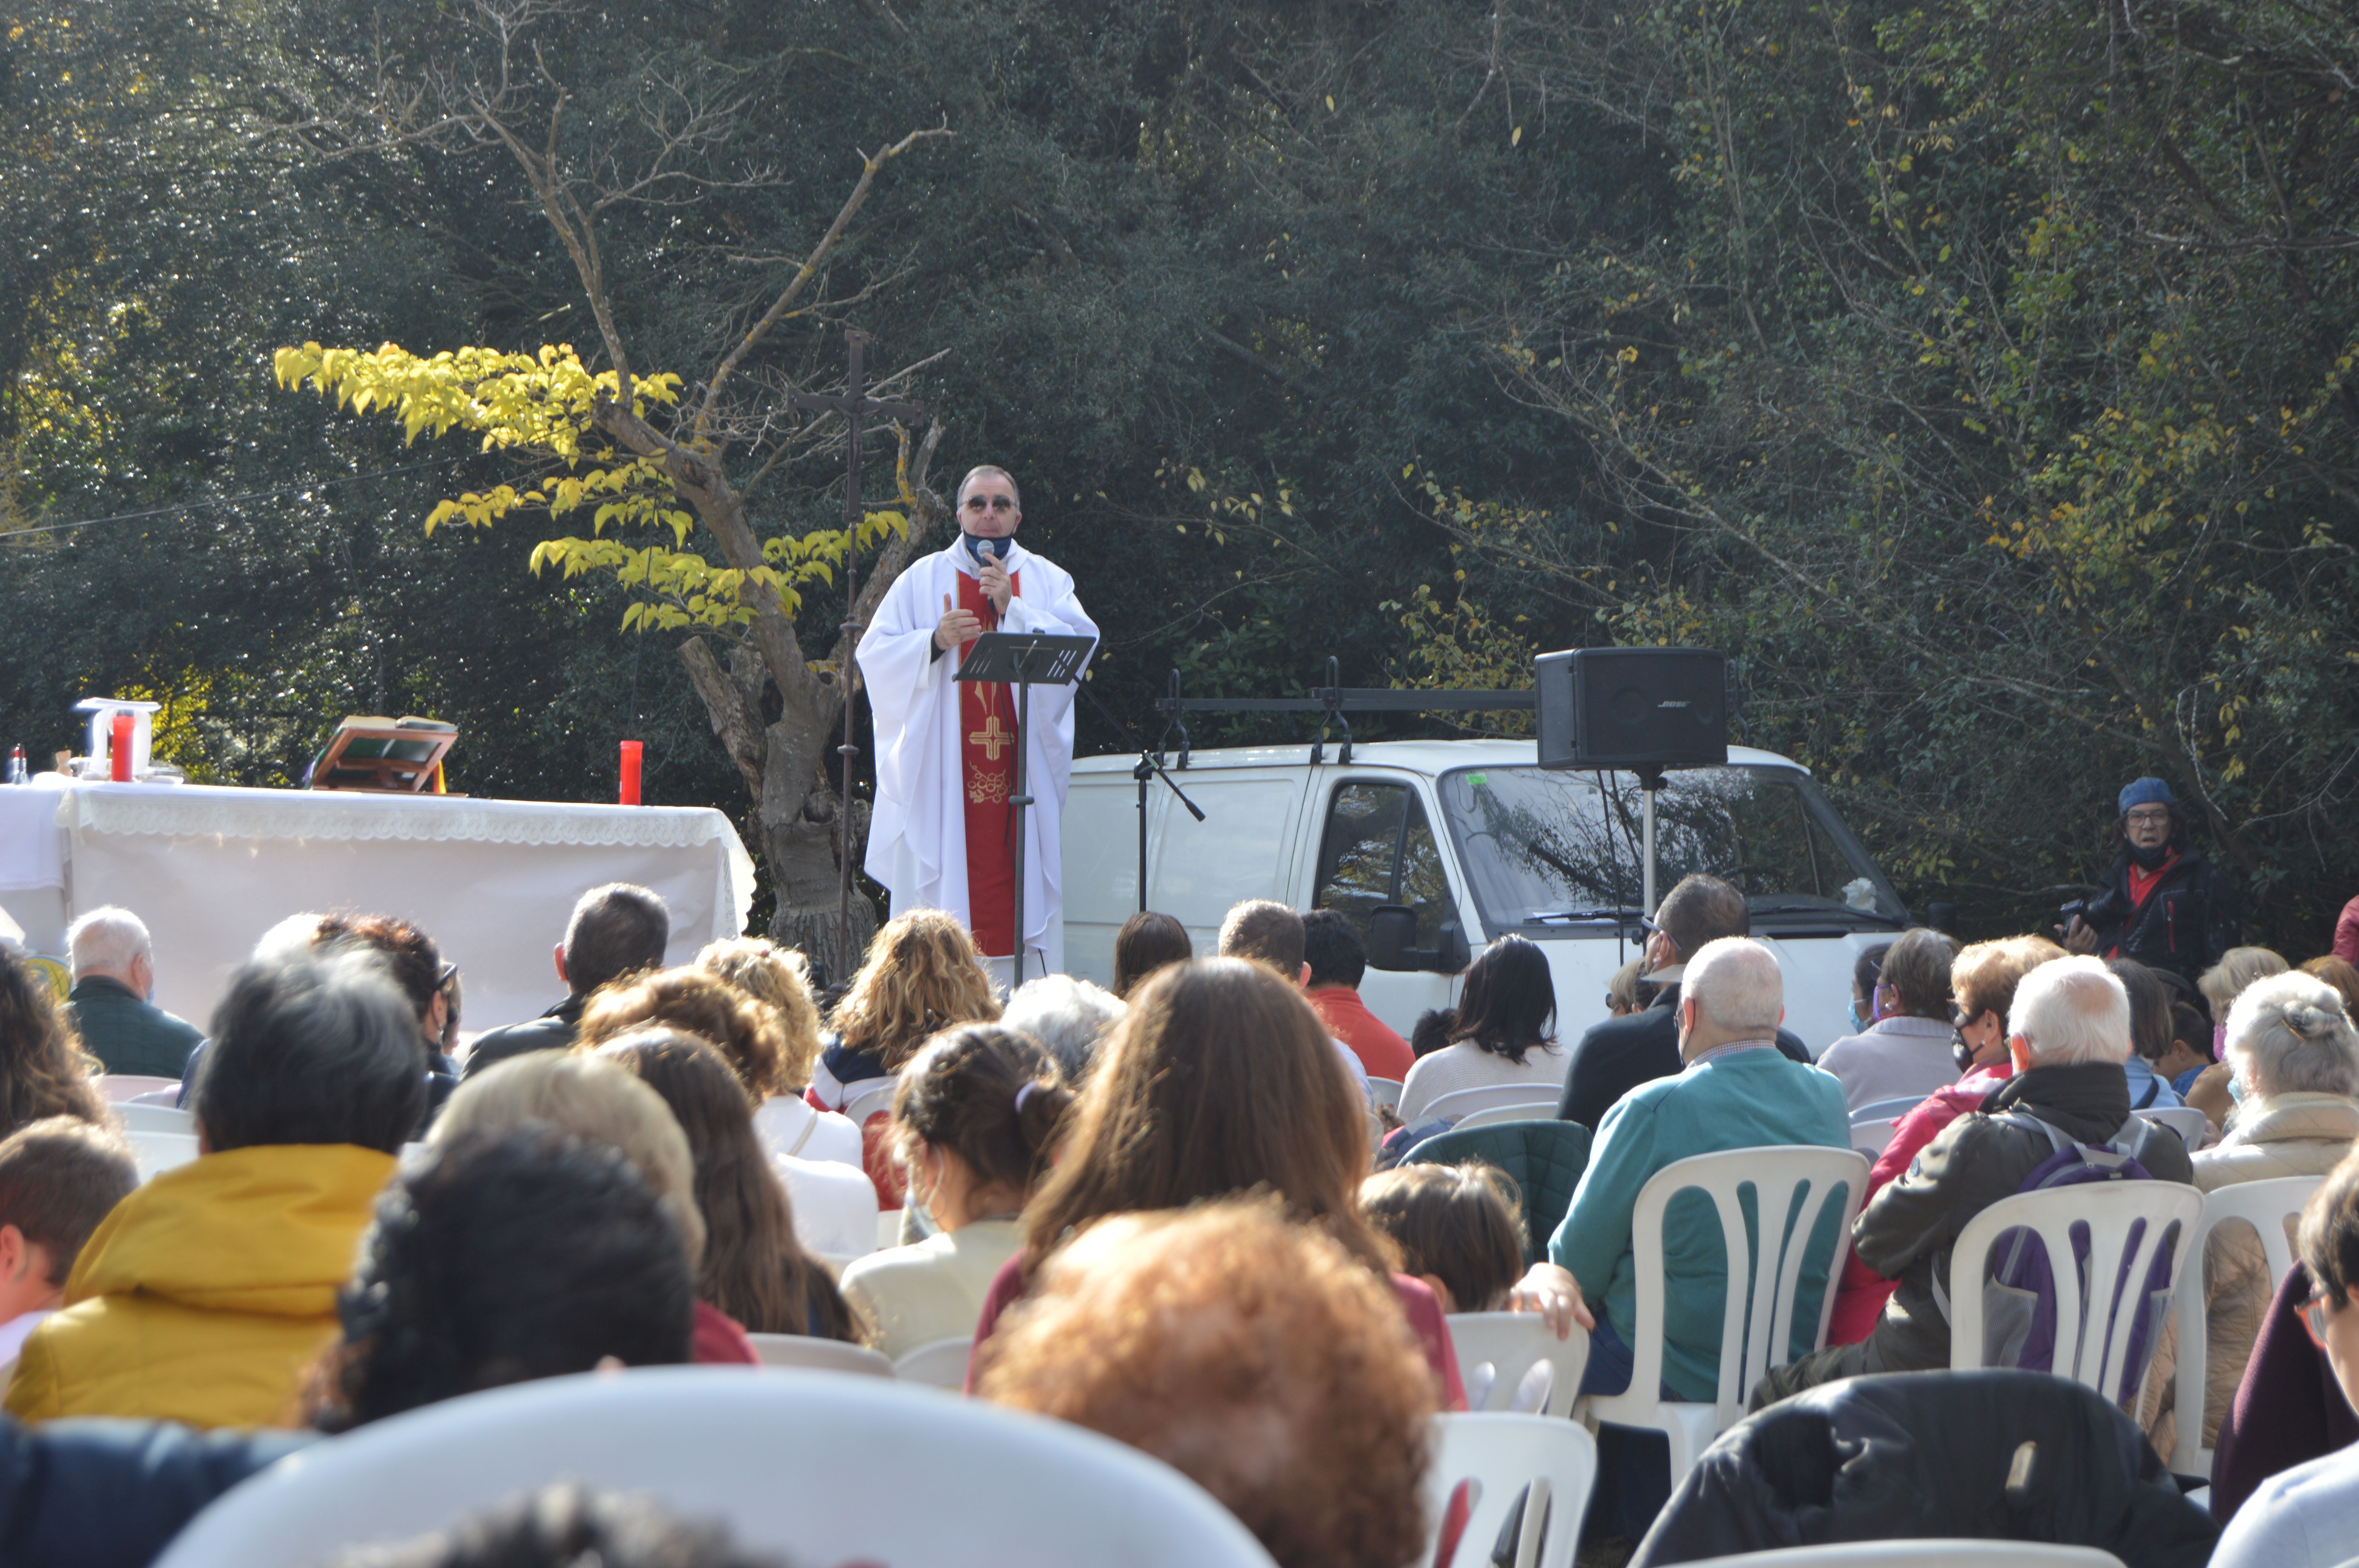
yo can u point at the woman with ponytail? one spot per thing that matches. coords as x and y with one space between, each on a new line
2293 1062
976 1113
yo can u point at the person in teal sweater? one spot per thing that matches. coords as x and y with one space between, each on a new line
1737 1091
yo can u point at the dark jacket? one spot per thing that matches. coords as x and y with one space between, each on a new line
1617 1056
1917 1458
2289 1410
113 1494
552 1031
2185 924
126 1034
1909 1228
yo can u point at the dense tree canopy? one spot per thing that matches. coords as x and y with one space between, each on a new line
1977 377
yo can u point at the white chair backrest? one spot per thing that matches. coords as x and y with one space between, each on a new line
1870 1137
2192 1126
867 1101
1892 1110
1523 1367
812 1354
1464 1102
168 1098
1921 1554
942 1365
1384 1093
155 1119
121 1086
2269 1207
1529 1110
2126 1225
1549 1464
789 1462
155 1152
1795 1183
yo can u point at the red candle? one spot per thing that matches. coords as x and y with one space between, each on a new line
631 772
121 750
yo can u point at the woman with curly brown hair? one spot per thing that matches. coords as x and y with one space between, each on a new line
753 1268
43 1070
922 975
1257 1356
835 1207
1219 1081
778 979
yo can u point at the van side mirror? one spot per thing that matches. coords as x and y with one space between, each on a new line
1392 939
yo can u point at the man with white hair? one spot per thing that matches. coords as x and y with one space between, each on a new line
112 1001
1734 1090
1069 1016
2068 1032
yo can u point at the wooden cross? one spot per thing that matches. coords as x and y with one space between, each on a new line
991 738
856 406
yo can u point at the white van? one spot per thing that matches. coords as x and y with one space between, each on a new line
1478 840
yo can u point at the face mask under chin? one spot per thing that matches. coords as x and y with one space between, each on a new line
2147 859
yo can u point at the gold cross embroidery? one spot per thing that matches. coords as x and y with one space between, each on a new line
991 738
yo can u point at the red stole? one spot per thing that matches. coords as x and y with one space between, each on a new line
987 743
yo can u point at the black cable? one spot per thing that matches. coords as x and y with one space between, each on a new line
229 499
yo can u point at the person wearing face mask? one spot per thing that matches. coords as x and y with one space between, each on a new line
2163 903
1983 979
943 835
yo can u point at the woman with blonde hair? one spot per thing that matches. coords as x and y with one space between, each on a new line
778 979
922 976
598 1101
43 1070
1220 1080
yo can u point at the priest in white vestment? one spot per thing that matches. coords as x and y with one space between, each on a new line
942 835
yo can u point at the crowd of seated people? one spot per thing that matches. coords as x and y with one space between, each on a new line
1152 1211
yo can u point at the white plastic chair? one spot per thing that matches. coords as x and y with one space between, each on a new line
867 1102
1532 1110
1384 1093
1795 1184
942 1365
1870 1137
121 1086
138 1118
1452 1108
155 1152
812 1354
1921 1554
1500 1456
1522 1365
1887 1110
789 1462
2194 1128
2266 1207
2092 1347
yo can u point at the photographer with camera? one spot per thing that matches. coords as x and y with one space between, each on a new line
2163 903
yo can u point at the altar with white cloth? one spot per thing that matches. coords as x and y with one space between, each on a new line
493 882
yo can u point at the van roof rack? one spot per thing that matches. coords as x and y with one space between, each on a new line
1333 702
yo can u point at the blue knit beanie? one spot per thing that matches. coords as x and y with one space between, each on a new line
2147 791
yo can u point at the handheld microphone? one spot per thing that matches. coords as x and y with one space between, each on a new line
978 547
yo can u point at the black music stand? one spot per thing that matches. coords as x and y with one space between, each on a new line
1024 660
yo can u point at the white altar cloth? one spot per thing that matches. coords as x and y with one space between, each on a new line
491 880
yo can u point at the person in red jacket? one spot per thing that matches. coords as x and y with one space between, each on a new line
1331 946
1983 979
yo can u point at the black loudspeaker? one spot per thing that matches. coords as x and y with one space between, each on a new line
1633 708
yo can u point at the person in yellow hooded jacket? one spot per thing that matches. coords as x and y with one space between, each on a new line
205 1293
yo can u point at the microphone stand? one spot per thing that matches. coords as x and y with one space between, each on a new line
1146 768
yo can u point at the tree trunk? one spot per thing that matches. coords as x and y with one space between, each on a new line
787 765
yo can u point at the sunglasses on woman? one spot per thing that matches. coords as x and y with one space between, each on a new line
2313 1315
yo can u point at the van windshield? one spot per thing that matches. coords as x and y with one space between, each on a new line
1553 853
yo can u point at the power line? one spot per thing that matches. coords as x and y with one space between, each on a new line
229 499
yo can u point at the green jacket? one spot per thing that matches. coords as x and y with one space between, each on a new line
127 1034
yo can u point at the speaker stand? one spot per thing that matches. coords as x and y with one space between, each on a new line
1650 781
